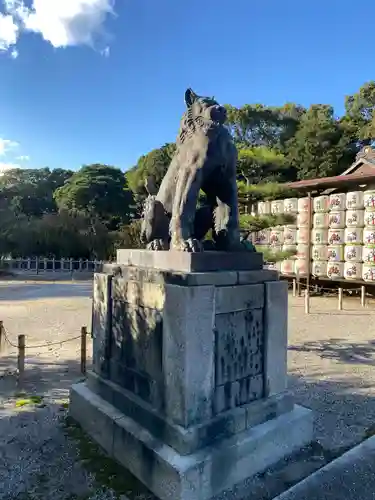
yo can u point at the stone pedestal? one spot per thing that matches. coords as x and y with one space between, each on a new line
189 383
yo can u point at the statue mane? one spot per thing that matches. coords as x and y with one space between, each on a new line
191 124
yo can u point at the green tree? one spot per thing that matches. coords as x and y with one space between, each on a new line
318 148
30 191
359 119
99 191
155 164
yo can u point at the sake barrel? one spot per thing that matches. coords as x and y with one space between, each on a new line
291 205
335 253
262 237
302 252
337 220
368 254
301 267
276 236
321 220
277 207
369 236
354 200
320 252
302 235
355 218
264 207
336 236
335 270
287 266
354 235
368 272
369 200
321 203
290 236
337 202
352 270
369 219
319 236
319 268
303 219
353 253
303 205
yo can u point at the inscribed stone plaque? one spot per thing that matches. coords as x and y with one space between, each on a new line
239 345
137 339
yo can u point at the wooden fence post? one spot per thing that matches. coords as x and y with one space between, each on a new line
83 349
294 287
21 360
340 300
307 301
363 296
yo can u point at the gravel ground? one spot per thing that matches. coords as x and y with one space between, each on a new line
331 359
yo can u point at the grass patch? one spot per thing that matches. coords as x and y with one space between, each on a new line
32 400
107 472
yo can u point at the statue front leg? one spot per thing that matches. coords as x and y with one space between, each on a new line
184 208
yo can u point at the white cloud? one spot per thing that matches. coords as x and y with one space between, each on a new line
23 158
62 23
7 145
8 32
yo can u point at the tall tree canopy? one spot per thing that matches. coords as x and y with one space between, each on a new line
30 191
99 191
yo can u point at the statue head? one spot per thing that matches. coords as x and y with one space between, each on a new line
205 107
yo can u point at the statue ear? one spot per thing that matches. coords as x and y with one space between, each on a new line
190 97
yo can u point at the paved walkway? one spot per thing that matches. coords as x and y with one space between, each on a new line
350 477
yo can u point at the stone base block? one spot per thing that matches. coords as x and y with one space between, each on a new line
202 474
191 262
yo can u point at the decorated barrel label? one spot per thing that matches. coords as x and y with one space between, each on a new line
319 236
355 218
335 253
337 202
352 270
354 235
321 220
336 236
291 205
337 220
320 252
354 200
321 203
368 254
319 268
369 200
303 204
368 272
353 253
335 270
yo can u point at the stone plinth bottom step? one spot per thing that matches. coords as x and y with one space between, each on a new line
201 475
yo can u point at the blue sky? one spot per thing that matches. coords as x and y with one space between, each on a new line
85 81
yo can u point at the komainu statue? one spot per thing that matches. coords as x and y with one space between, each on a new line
205 159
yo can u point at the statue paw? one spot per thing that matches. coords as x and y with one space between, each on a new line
157 245
190 245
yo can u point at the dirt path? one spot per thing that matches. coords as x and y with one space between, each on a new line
331 370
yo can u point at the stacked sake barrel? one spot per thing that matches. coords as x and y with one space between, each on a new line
302 264
319 236
261 239
368 269
288 266
353 251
